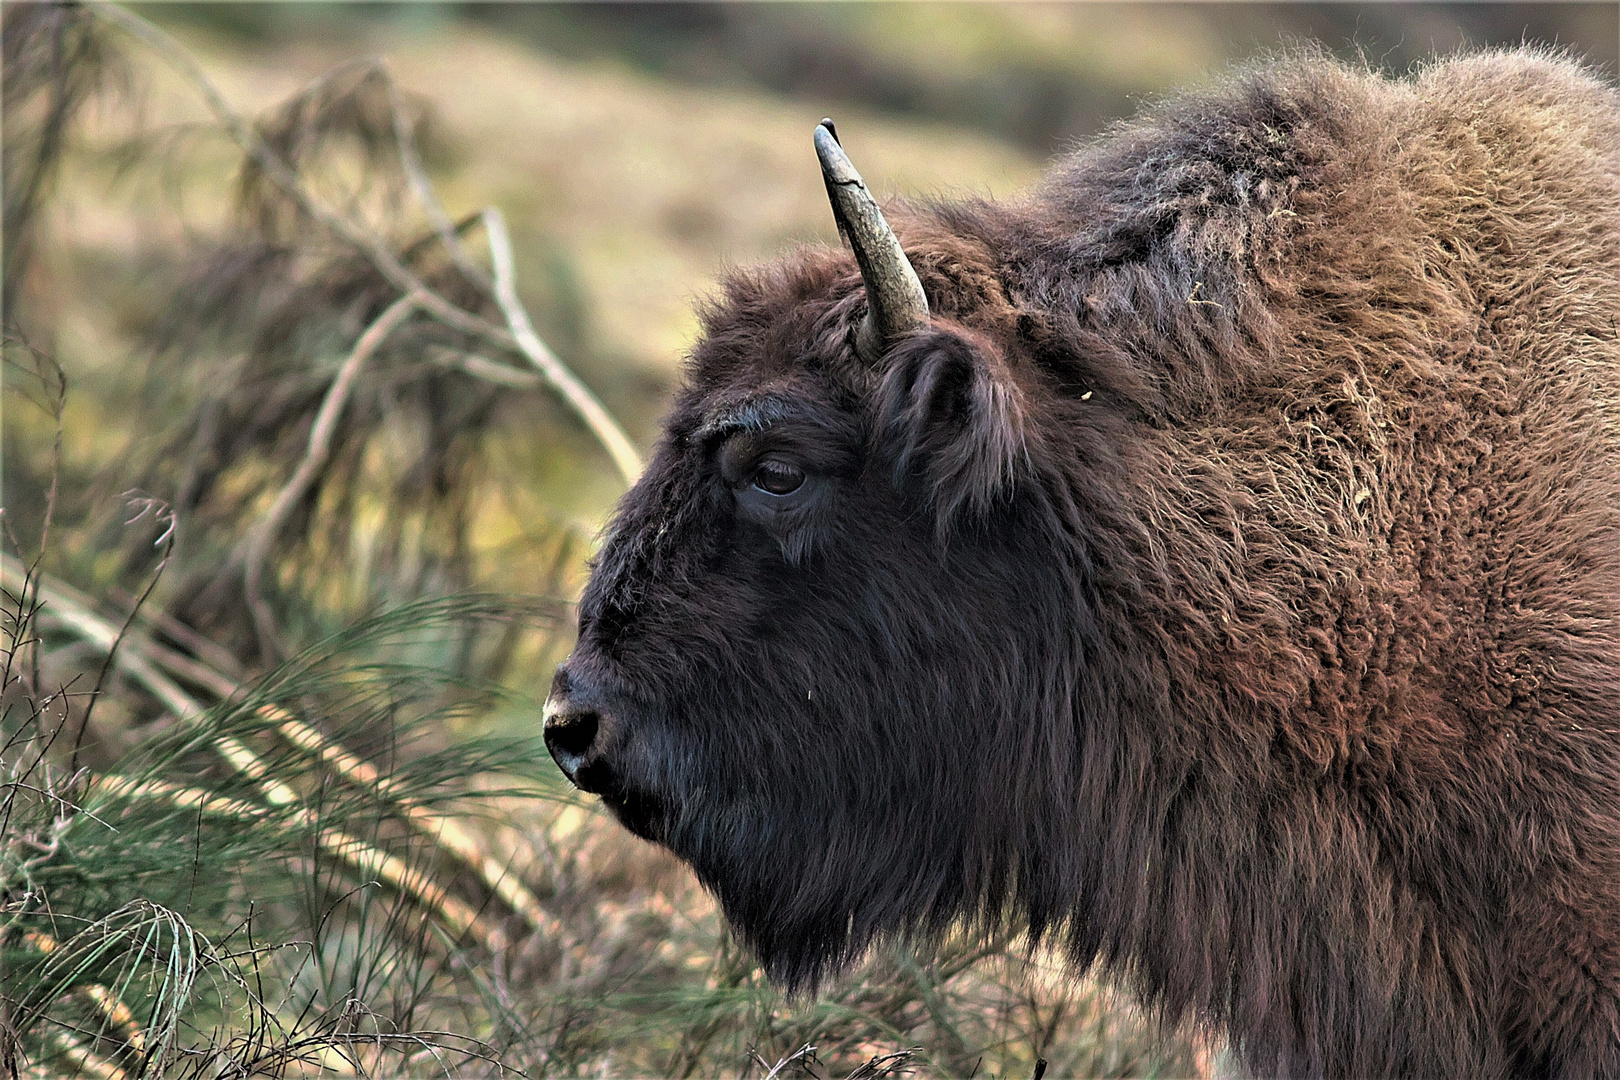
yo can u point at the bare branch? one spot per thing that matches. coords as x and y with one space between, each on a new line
565 382
482 367
350 232
519 332
256 545
410 163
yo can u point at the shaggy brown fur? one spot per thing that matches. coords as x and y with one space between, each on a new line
1226 583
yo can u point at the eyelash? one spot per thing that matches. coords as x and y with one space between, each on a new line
777 478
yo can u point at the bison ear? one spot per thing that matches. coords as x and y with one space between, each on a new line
951 418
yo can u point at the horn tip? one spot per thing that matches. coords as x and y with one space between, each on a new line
835 164
826 122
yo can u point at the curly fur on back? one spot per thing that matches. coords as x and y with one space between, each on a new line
1226 583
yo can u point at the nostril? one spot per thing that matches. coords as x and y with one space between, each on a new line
572 733
572 736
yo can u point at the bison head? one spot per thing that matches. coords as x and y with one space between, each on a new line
819 624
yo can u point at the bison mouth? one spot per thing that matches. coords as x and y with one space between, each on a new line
640 812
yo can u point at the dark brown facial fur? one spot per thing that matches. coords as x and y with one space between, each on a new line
1225 583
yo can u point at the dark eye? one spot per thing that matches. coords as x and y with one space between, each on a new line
778 477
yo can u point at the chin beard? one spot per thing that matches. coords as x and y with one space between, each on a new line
809 903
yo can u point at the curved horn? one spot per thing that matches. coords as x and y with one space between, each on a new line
895 301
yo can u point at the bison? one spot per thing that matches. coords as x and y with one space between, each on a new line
1208 564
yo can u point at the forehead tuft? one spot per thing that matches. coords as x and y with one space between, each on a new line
774 321
754 413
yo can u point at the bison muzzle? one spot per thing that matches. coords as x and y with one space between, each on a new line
1208 564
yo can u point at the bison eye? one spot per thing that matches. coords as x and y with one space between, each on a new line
778 478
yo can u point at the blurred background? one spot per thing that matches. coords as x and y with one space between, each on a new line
177 316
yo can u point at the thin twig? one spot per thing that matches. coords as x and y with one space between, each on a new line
565 382
805 1053
482 367
256 545
211 656
1192 297
410 163
161 513
59 409
881 1065
252 144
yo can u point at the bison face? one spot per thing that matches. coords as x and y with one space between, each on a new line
811 642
